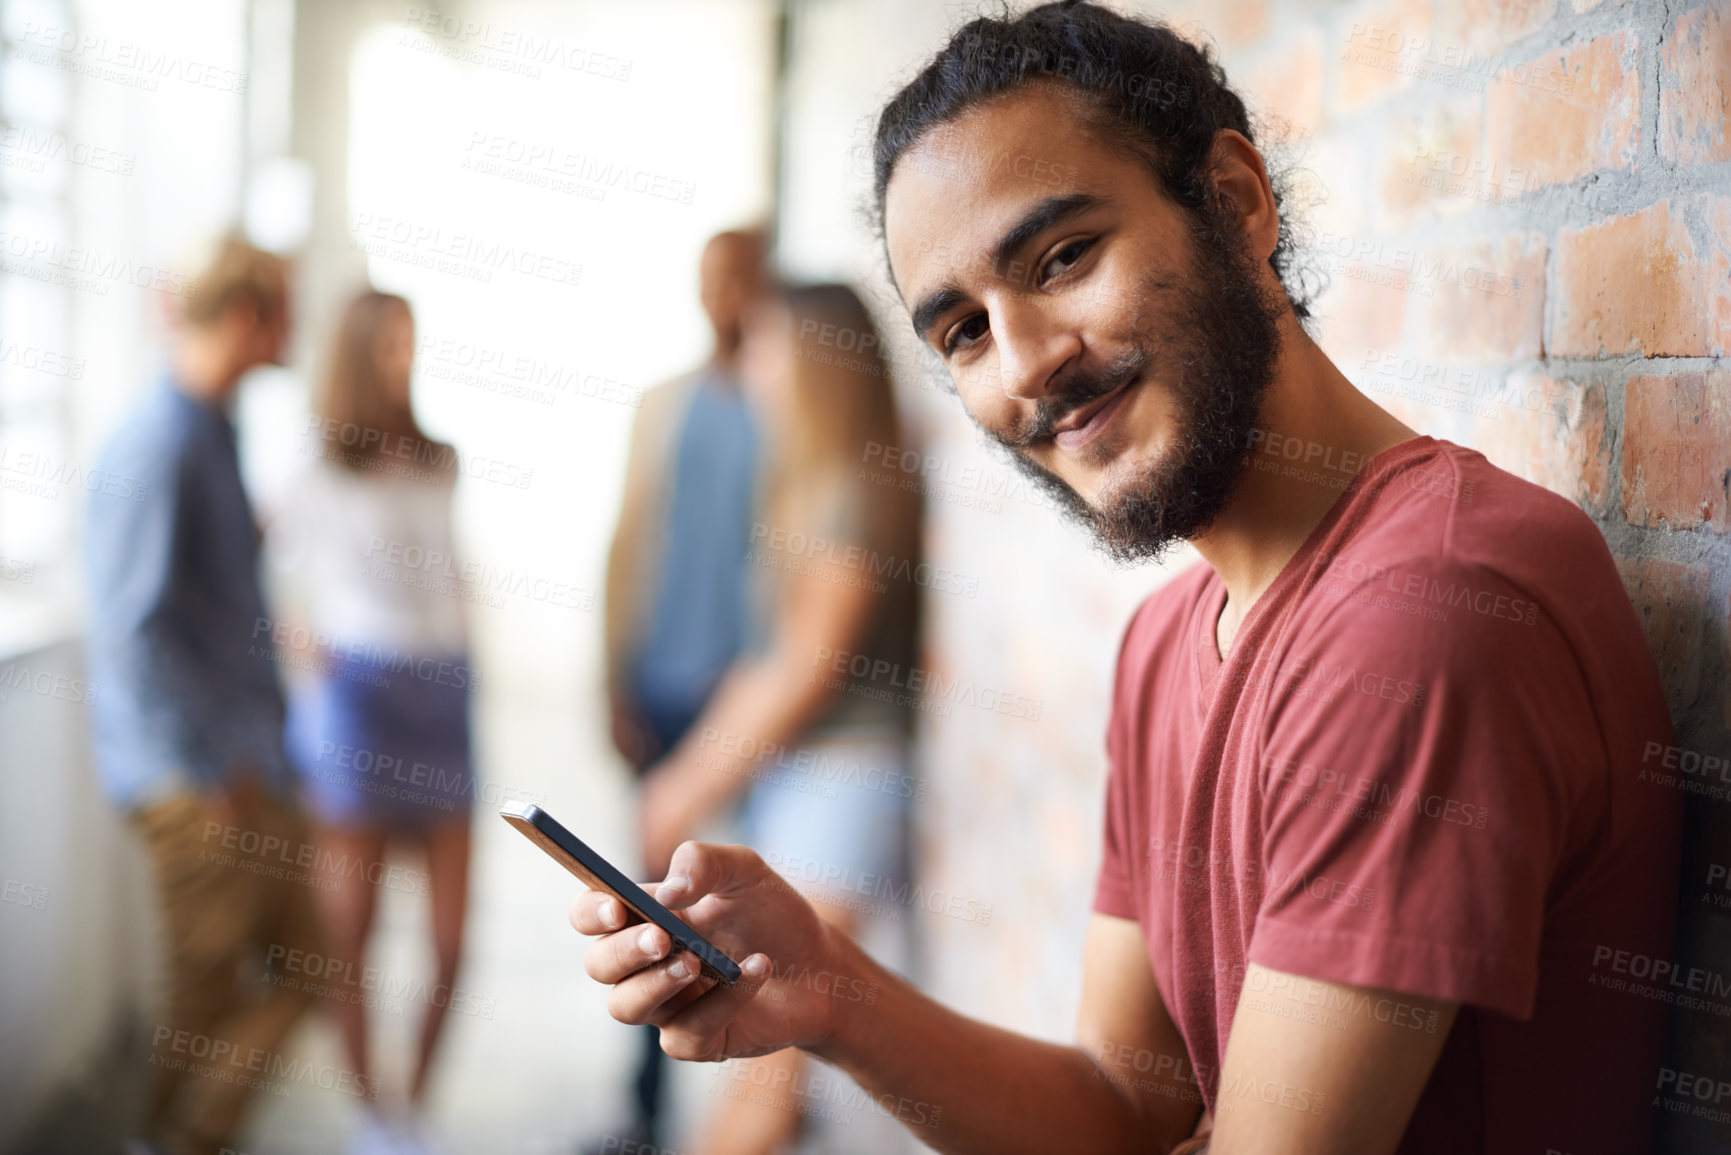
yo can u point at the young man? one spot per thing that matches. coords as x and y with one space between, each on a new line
675 607
189 727
1374 820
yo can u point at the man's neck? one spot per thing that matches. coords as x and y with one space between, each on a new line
204 369
724 362
1316 432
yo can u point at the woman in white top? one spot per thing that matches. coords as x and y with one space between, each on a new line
380 731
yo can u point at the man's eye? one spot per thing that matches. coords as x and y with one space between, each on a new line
1066 256
969 330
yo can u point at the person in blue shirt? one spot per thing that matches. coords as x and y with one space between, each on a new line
676 611
188 729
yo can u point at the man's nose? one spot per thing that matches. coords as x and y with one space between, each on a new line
1032 346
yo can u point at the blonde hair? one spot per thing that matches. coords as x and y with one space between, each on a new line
229 271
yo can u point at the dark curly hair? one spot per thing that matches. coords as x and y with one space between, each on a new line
1150 90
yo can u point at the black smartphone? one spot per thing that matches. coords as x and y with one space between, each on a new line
597 873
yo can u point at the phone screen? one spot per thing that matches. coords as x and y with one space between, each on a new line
597 873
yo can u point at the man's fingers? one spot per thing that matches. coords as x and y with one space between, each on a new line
699 1032
699 869
637 999
622 954
597 912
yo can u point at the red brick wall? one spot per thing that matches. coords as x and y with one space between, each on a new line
1575 158
1524 213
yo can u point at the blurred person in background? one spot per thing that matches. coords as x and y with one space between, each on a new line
189 725
675 597
380 734
819 752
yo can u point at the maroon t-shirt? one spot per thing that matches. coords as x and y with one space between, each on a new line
1418 769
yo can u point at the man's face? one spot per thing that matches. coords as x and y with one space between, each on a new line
262 338
278 327
253 337
730 277
1118 344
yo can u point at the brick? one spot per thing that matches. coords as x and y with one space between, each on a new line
1482 301
1336 174
1225 24
1386 42
1565 114
1241 22
1677 450
1288 83
1638 283
1358 315
1491 25
1671 599
1551 432
1695 88
1432 163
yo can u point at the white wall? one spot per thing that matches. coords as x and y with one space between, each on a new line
75 918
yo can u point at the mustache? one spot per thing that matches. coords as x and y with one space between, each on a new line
1080 388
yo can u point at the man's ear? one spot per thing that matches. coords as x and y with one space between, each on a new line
241 316
1242 180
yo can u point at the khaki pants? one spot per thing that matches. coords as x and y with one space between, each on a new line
233 897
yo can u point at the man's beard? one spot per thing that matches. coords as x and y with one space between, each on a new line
1218 360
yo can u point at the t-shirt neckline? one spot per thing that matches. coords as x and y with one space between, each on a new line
1205 647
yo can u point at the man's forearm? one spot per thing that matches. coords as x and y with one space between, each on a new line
963 1086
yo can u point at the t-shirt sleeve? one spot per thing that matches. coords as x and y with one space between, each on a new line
1416 788
1112 891
1112 888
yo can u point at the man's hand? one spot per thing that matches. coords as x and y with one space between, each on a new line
632 736
236 798
738 903
219 807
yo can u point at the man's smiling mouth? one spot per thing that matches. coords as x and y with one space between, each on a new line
1088 422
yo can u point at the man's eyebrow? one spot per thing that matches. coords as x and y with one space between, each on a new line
1049 212
934 306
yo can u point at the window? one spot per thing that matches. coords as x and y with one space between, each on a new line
39 367
121 143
